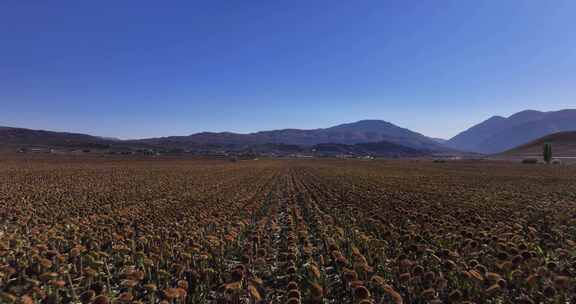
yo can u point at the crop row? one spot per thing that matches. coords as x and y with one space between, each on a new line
286 232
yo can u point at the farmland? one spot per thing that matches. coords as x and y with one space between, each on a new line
286 231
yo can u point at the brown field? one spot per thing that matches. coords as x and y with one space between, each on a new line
285 231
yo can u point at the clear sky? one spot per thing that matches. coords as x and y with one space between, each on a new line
133 69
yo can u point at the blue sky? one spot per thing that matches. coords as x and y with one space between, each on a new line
134 69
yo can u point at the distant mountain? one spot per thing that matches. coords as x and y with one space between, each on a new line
441 141
469 139
364 131
38 138
366 137
563 145
499 134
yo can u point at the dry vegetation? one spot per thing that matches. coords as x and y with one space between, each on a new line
289 232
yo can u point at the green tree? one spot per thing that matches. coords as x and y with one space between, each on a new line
547 153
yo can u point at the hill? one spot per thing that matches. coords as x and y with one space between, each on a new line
563 145
26 138
364 131
369 137
499 134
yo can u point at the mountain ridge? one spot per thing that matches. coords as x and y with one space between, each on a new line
492 136
498 134
362 131
362 136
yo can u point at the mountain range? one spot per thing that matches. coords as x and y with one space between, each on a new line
499 134
494 135
10 137
366 137
364 131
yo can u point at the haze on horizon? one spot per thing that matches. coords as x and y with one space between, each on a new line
146 68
